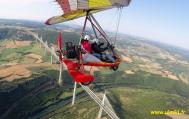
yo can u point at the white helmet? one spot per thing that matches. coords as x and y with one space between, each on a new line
87 37
95 40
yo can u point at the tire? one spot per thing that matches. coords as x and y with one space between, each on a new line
115 68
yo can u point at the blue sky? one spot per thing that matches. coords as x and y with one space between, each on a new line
161 20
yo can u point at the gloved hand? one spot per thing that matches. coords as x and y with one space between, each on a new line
110 45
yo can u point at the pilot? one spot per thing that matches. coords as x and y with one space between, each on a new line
86 47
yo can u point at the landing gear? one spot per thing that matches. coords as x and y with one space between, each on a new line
115 68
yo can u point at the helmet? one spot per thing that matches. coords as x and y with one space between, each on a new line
87 37
95 40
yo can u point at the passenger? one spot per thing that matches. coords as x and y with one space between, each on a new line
86 46
96 46
98 51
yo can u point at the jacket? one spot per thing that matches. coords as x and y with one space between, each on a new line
86 46
97 48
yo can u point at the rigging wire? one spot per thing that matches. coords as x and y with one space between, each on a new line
120 9
111 25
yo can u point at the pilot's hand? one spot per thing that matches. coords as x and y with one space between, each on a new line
110 45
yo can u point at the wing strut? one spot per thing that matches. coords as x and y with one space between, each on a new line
96 26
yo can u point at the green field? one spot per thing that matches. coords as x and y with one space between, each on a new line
137 103
17 55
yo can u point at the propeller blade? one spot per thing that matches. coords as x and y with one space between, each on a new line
59 40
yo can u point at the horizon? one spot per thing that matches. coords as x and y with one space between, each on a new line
141 38
145 19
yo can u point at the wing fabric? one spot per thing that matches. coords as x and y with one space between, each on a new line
73 5
78 8
69 16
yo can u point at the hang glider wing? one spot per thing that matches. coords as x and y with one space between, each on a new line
74 9
69 16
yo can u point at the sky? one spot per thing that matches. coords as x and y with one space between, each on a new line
165 21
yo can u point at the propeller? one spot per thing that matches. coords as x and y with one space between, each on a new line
59 41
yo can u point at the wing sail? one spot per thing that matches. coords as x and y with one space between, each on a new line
73 5
68 16
74 9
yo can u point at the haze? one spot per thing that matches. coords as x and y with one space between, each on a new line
161 20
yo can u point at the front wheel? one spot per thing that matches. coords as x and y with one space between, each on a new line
114 68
